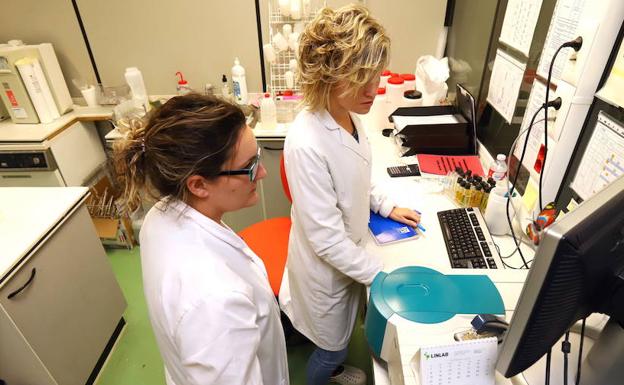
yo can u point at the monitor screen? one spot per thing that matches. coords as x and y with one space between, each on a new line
574 273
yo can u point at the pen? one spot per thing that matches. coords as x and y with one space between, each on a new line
420 227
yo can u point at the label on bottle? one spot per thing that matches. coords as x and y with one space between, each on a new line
237 91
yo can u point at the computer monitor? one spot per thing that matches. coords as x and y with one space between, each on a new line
578 270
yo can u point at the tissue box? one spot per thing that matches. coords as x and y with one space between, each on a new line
440 130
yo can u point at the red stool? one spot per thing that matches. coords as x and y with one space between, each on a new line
269 240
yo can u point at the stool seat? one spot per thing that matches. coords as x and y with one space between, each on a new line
269 240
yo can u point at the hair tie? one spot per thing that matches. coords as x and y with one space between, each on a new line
143 145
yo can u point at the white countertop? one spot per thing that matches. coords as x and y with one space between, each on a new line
27 214
12 132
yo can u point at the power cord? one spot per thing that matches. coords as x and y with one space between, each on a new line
580 355
575 44
565 348
548 357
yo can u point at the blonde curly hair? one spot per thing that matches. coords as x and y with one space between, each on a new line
343 45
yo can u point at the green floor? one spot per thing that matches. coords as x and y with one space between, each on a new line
135 359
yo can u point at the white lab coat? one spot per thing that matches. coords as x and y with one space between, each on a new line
212 310
329 175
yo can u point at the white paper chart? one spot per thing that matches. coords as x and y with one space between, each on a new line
519 24
603 160
461 363
507 74
566 18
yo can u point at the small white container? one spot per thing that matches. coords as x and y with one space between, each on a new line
383 79
286 30
412 98
268 112
296 9
269 53
284 7
280 42
496 213
394 90
90 96
134 78
289 76
378 114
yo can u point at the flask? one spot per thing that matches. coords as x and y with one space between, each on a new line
268 112
239 83
134 78
498 169
182 88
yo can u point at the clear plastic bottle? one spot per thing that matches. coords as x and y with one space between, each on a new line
226 91
134 78
268 112
498 169
182 88
239 82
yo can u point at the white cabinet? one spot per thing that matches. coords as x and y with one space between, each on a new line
59 307
273 202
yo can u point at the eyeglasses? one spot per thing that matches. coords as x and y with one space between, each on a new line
251 171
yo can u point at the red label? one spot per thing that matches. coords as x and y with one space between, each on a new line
12 99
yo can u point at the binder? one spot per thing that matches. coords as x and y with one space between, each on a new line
386 230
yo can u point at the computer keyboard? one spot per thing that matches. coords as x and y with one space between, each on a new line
468 241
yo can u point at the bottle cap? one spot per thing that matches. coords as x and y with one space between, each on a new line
386 73
181 81
501 157
408 76
381 91
395 80
224 78
267 95
412 94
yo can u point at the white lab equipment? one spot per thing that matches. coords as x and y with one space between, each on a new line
268 112
431 76
286 30
409 82
292 65
38 89
284 7
383 79
134 78
377 117
289 76
295 9
280 42
90 95
293 41
496 212
412 98
239 82
394 90
269 53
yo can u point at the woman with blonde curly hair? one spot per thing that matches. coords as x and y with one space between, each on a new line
328 165
212 309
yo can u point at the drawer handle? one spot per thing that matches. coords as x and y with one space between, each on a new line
274 148
16 292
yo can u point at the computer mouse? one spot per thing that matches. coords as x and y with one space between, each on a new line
386 131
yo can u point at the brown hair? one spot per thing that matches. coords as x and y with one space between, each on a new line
347 44
188 135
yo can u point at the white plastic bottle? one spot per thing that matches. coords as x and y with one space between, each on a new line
498 169
239 83
182 88
268 112
134 78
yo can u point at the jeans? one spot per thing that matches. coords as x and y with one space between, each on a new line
322 364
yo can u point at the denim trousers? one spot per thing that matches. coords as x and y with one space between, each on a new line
322 364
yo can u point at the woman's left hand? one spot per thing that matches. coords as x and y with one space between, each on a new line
405 215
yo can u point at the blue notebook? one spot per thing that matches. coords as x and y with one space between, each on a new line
386 230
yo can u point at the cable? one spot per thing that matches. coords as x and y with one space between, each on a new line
580 355
575 44
513 185
548 356
565 348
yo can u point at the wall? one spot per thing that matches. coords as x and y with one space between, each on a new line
198 37
49 21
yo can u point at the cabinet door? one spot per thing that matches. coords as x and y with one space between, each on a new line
275 201
70 308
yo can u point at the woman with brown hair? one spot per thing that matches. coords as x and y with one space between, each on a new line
328 164
213 312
